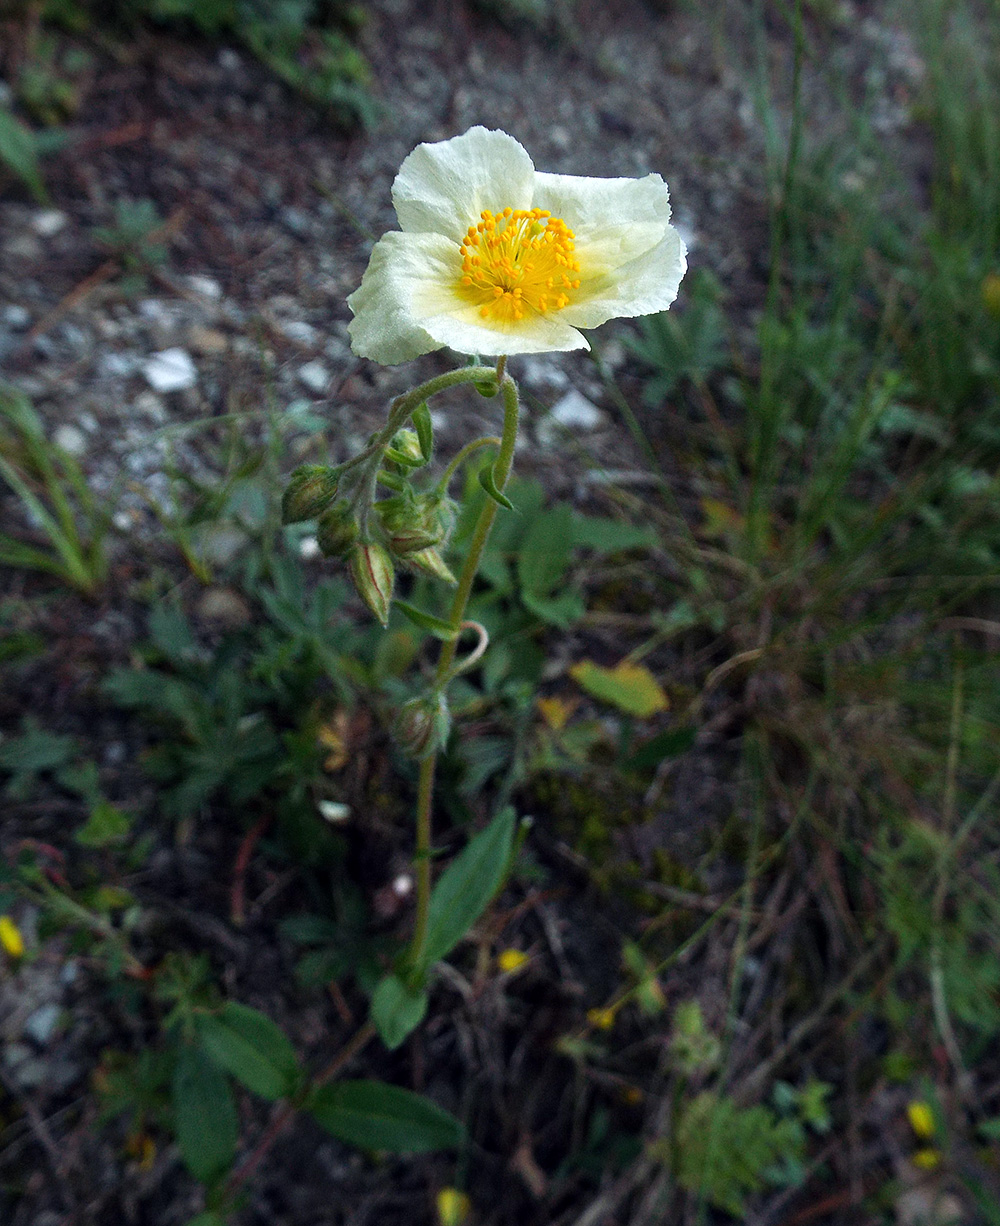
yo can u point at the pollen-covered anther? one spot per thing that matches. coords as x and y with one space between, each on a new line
521 257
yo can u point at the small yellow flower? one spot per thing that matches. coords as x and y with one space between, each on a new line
453 1207
510 960
10 937
495 257
921 1119
601 1019
927 1159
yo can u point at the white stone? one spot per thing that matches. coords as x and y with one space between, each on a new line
171 370
309 548
333 811
48 222
208 287
41 1025
315 376
16 317
575 412
70 438
300 332
542 372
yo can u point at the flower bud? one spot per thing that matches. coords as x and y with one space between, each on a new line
372 572
337 530
431 563
407 444
422 725
310 490
407 528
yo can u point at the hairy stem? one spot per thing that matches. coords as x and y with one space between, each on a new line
425 791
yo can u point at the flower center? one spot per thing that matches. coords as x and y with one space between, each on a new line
517 261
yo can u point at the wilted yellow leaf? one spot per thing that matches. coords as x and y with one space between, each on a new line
631 688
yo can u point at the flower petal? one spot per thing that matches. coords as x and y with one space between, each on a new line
641 286
464 331
444 187
583 202
406 279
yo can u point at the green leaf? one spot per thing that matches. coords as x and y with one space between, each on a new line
421 418
397 1010
631 688
611 535
427 621
207 1219
488 482
561 610
467 887
205 1120
546 550
106 825
667 744
249 1045
373 1115
17 152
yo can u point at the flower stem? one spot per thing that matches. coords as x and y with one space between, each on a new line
404 405
425 789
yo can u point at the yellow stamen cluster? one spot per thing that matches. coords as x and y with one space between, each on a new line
518 261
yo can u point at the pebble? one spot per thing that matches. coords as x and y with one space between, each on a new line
48 222
151 406
112 365
300 332
41 1025
208 287
574 410
542 372
70 438
225 607
15 317
315 376
171 370
207 340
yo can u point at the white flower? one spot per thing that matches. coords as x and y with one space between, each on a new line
494 257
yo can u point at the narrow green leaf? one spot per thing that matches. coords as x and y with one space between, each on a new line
397 1010
249 1045
427 621
466 888
487 481
374 1115
421 418
205 1120
17 151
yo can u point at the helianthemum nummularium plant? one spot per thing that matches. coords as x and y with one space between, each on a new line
492 258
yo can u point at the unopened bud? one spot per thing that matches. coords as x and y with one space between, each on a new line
337 530
372 572
431 563
405 449
310 490
422 725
